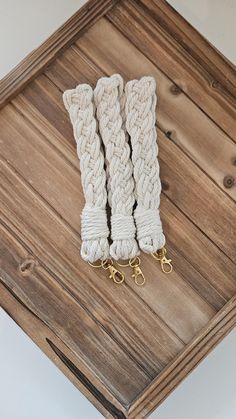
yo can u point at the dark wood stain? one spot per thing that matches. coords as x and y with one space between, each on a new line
84 380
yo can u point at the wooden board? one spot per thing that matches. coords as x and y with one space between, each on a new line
126 348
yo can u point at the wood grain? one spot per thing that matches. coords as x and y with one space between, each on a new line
174 105
221 275
157 35
201 177
174 288
83 65
125 347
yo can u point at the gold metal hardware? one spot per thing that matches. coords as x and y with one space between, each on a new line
123 265
117 276
138 275
166 265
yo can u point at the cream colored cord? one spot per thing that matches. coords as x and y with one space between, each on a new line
140 112
94 229
109 101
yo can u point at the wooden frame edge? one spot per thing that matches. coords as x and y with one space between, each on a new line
221 324
42 56
207 339
55 349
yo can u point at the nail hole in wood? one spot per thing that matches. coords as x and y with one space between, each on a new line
234 161
168 134
214 84
165 185
228 181
26 267
175 90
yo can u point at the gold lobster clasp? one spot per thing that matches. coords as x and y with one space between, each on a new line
138 276
166 265
117 276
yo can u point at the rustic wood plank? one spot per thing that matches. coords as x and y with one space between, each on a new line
49 88
176 113
212 189
66 69
217 236
174 288
39 58
211 87
39 290
213 220
79 62
217 283
49 241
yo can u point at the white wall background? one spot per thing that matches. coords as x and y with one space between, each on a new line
25 24
31 387
214 19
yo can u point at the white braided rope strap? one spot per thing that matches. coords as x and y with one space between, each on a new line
140 123
94 229
108 95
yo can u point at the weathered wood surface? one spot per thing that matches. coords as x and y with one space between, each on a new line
125 347
182 56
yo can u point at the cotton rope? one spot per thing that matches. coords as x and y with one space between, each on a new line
140 112
109 101
94 229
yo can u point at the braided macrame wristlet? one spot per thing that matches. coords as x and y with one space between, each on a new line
94 229
140 123
118 114
109 101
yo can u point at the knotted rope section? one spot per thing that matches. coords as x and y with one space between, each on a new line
109 101
94 229
140 123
